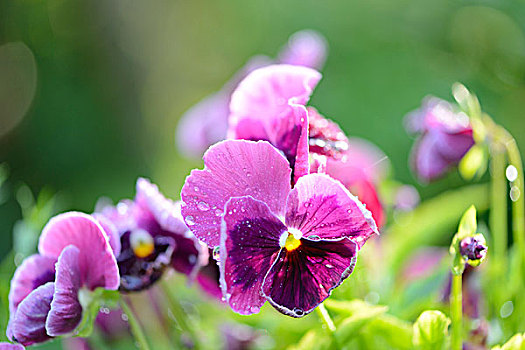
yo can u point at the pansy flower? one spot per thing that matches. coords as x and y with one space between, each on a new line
445 136
74 258
290 246
207 122
152 237
270 105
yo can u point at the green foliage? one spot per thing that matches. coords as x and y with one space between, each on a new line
431 331
517 342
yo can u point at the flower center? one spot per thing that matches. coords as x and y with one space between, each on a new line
142 243
291 239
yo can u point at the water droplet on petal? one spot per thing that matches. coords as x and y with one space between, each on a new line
196 189
203 206
218 212
190 221
298 311
329 266
216 253
255 309
314 237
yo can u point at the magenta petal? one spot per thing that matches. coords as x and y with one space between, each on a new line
8 346
29 324
233 168
305 48
301 279
249 244
34 271
321 208
267 92
166 212
111 231
203 124
98 266
66 311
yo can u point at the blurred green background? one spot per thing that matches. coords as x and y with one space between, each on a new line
111 78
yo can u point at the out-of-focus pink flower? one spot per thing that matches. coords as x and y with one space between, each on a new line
445 136
207 122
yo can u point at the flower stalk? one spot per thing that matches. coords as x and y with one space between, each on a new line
327 322
136 328
456 312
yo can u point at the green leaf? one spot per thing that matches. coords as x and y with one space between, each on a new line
473 163
91 304
387 331
312 340
360 314
517 342
431 331
468 224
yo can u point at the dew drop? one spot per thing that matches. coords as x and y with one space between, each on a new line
329 266
255 309
124 317
511 173
506 309
314 237
192 259
298 311
218 212
190 221
216 253
514 193
196 189
203 206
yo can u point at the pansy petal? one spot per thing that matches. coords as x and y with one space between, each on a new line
98 266
66 312
165 211
249 244
233 168
321 207
29 324
34 271
203 124
302 278
426 161
111 231
267 93
358 182
9 346
305 48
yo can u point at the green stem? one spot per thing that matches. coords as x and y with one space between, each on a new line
328 323
135 326
498 212
179 314
456 312
518 205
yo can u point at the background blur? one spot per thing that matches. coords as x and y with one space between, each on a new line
91 92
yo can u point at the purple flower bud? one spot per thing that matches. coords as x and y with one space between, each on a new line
472 248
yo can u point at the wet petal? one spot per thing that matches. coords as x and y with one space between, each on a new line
34 271
267 93
66 312
233 168
305 48
301 279
320 207
358 182
98 267
249 244
29 324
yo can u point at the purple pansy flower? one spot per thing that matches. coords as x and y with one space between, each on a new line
207 121
152 236
445 137
288 246
9 346
74 257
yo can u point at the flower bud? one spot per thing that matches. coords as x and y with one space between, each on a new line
473 248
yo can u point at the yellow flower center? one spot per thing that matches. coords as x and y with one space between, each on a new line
142 243
291 243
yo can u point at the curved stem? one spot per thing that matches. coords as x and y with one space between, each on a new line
498 212
135 326
179 314
456 312
328 323
518 204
